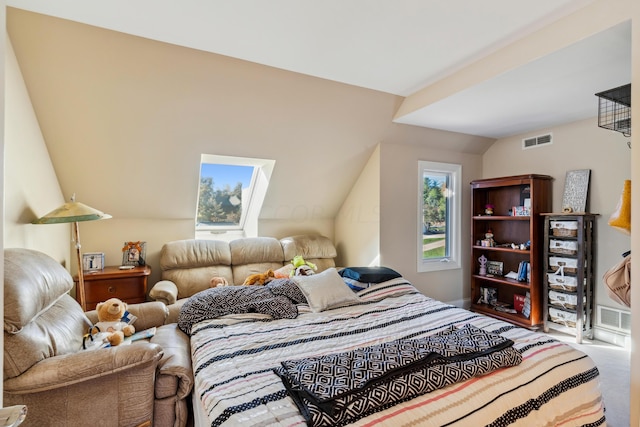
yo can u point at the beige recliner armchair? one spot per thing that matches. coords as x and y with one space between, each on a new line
142 384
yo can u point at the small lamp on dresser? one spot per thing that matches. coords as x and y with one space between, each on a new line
74 212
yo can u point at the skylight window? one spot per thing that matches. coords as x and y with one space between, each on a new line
231 191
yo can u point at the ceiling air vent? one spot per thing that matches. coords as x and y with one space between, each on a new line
536 141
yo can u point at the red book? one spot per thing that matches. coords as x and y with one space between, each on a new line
518 302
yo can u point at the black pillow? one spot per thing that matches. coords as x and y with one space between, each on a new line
370 274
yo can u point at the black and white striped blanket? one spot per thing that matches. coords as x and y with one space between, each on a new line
235 384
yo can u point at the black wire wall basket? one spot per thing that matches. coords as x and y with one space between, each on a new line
614 109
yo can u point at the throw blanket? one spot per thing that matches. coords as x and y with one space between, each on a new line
339 388
277 299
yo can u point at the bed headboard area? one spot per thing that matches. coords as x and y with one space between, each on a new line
191 263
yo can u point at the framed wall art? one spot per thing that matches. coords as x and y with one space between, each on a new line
134 253
576 191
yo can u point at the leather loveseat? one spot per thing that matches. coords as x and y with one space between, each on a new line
187 266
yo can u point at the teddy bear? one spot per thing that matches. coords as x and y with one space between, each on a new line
111 323
259 278
218 281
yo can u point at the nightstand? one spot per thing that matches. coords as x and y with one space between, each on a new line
128 285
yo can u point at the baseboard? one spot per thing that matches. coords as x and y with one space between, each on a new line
612 337
462 303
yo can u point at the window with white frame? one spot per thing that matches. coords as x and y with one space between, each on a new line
230 193
439 204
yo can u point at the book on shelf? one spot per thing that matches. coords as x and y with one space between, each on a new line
526 308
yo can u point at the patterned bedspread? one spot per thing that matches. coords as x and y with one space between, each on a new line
234 360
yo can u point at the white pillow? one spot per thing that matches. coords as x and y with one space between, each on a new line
326 290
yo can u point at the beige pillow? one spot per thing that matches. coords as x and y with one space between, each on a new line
326 290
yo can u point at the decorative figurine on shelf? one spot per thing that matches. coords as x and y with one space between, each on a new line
489 238
483 265
488 209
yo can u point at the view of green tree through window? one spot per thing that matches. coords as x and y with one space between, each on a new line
434 212
221 193
439 216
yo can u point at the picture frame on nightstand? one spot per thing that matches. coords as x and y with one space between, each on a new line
93 261
134 253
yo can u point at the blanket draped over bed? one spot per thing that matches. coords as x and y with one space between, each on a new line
338 388
234 358
277 299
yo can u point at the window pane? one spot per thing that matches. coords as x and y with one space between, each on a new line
438 216
435 215
221 193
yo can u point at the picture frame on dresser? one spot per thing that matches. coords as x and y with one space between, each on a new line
134 253
93 261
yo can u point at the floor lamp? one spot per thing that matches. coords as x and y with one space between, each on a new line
74 212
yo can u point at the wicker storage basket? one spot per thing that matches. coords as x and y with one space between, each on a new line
562 283
570 265
562 300
564 247
563 317
564 228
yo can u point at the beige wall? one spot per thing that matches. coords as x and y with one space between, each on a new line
578 145
398 211
357 236
31 188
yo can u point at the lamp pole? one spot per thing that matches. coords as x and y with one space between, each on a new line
80 287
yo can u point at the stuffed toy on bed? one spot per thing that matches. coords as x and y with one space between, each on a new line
297 267
218 281
259 278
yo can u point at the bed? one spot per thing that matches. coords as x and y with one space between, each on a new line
240 349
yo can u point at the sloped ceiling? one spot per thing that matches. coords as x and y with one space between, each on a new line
398 47
125 91
126 119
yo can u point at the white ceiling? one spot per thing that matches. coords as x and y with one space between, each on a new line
398 47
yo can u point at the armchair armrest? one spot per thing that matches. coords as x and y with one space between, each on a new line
176 362
83 366
164 291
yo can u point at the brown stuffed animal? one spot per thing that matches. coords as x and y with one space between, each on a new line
259 279
218 281
110 313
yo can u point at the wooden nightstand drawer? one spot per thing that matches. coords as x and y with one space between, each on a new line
126 289
128 285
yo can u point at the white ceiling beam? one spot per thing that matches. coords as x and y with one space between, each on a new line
592 19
